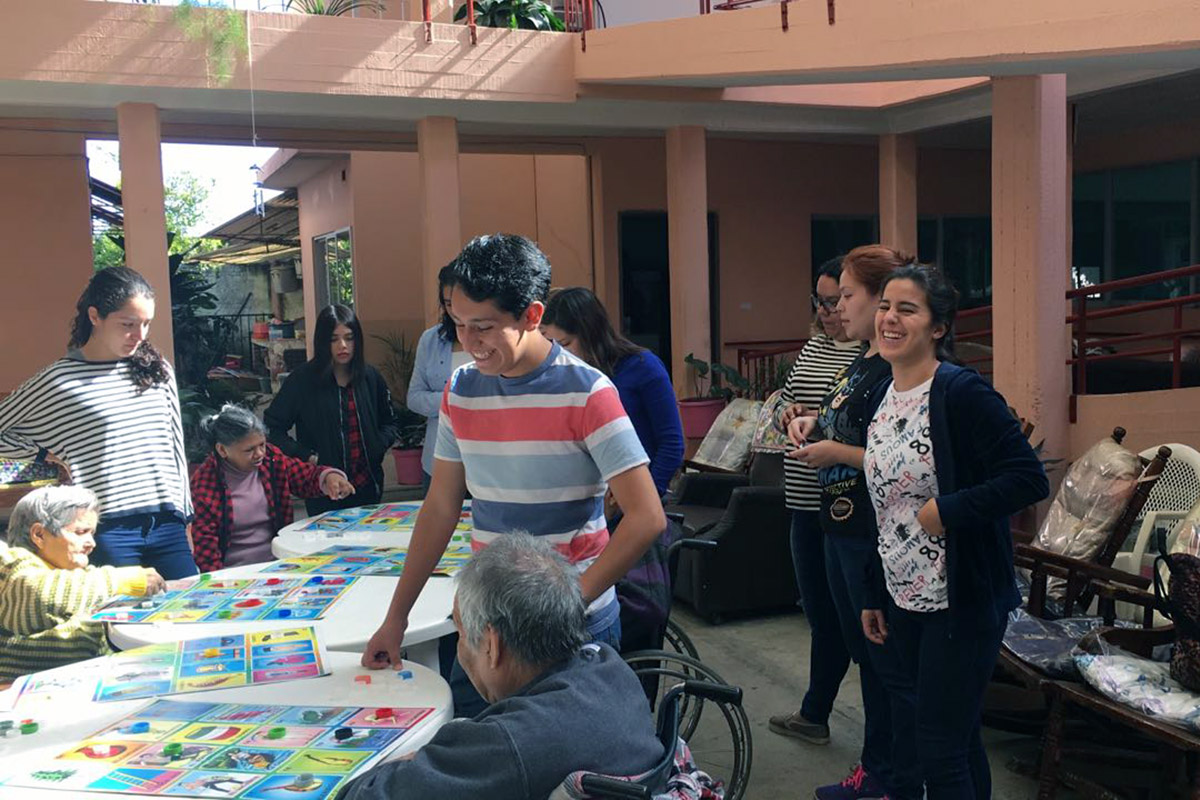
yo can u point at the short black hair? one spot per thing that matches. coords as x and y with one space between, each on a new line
327 321
446 327
505 268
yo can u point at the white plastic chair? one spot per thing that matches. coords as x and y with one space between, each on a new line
1173 496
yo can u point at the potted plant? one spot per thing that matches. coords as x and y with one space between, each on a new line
699 412
530 15
397 369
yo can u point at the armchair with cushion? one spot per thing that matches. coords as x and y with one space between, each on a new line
751 568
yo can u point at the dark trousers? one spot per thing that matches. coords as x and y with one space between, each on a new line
148 540
937 701
363 496
828 658
846 560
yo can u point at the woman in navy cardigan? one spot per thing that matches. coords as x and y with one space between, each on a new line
946 465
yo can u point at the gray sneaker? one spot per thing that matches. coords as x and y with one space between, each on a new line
796 726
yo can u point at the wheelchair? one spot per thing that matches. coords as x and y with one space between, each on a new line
720 741
669 733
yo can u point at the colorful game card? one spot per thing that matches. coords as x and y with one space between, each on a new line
193 665
383 518
362 561
189 749
229 600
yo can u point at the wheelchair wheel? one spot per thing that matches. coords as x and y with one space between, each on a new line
676 639
719 739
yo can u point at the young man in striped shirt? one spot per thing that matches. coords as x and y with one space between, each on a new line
536 435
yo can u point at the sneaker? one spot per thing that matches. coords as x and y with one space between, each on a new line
795 725
858 785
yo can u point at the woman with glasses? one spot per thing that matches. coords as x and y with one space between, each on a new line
439 353
828 352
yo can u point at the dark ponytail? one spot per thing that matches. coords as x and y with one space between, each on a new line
232 424
940 296
107 291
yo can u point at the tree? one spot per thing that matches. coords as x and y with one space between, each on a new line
184 196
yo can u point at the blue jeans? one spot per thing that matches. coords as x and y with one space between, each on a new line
846 559
469 703
938 700
147 540
828 658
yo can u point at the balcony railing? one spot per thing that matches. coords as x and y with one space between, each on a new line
1151 353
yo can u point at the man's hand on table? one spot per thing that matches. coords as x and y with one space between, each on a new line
383 650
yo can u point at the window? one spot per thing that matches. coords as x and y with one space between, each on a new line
836 236
1130 222
962 248
334 268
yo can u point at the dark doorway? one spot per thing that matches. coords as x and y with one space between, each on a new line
646 282
836 236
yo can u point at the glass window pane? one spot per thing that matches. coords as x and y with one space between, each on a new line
1151 224
967 257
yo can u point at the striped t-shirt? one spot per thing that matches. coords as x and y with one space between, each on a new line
538 451
124 445
817 365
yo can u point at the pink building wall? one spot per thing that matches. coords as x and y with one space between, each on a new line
47 260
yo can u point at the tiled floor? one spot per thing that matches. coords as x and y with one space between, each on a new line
768 658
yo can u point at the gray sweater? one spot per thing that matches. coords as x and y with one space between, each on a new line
588 713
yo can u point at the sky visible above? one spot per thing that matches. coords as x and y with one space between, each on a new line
226 169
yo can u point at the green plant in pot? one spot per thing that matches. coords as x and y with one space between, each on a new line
397 369
529 15
713 386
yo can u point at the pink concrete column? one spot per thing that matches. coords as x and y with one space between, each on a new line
1029 251
145 213
441 224
898 191
687 237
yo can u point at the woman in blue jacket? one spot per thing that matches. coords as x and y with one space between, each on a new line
438 355
946 464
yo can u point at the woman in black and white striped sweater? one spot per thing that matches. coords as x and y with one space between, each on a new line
109 410
825 355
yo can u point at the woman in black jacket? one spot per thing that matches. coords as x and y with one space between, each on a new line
341 409
946 464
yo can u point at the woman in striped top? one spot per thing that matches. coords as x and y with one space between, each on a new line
825 355
109 410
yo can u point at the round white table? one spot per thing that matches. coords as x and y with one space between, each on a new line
294 541
346 627
60 727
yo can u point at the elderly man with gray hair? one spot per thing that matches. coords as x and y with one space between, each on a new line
556 704
47 587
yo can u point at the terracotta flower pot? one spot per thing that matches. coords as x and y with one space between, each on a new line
408 466
698 415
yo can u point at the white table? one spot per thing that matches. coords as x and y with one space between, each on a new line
293 541
346 627
60 727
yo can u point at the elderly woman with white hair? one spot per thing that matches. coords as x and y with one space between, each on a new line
47 587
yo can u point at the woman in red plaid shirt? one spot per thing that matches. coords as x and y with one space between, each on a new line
243 491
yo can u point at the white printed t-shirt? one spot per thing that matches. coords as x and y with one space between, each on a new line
901 478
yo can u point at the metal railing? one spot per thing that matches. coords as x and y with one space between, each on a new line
1151 359
240 328
765 364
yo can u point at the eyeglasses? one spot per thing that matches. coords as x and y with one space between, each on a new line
830 304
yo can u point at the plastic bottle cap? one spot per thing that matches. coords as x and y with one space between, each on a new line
342 734
284 613
276 733
172 749
139 727
311 716
29 727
